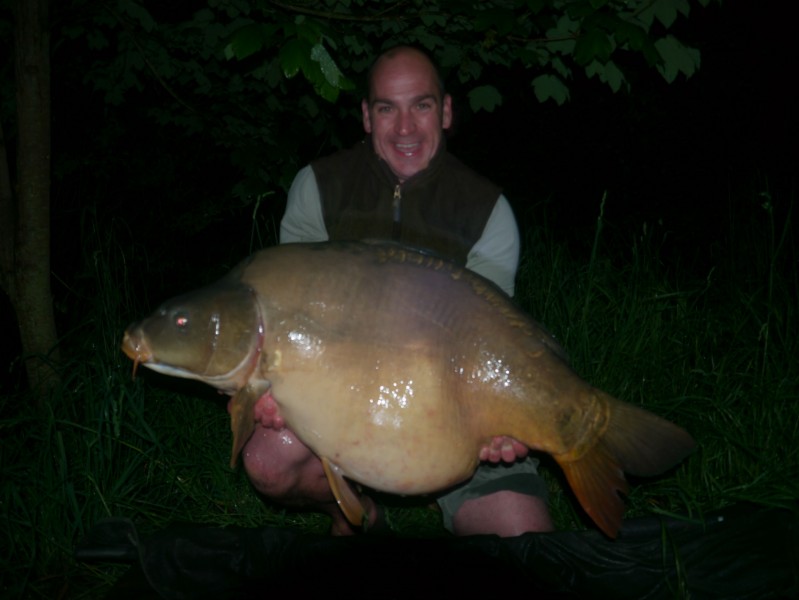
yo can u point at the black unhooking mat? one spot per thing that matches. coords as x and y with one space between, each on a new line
743 552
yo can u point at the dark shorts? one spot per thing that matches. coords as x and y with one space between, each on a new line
521 476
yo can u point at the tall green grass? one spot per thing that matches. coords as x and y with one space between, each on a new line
711 346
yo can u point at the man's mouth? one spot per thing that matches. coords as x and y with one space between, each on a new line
407 149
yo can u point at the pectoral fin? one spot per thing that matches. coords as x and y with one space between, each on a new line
242 417
347 498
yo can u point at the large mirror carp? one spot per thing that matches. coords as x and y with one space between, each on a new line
396 368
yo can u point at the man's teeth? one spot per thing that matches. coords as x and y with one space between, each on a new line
407 149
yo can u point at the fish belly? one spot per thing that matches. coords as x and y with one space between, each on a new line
392 422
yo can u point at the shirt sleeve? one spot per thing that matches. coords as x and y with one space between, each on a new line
303 220
495 256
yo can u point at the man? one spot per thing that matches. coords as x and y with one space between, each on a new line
401 184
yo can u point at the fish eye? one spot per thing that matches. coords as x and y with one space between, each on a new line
181 320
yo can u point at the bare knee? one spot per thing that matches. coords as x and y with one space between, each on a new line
284 469
503 513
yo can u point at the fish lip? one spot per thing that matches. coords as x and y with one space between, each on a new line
135 349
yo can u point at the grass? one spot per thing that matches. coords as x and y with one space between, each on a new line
711 345
713 350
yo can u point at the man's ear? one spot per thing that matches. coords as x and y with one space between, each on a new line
367 122
446 112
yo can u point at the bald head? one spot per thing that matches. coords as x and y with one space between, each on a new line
404 57
407 110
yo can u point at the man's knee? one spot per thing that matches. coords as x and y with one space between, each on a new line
503 499
283 468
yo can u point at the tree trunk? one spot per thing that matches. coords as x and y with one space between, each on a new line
25 252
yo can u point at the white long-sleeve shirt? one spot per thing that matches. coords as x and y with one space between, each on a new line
495 255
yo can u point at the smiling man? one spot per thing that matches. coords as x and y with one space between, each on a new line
406 112
401 184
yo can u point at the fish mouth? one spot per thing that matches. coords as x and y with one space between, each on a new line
136 350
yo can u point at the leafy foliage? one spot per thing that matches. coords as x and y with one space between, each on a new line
256 78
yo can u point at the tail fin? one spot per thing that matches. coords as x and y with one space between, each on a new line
635 441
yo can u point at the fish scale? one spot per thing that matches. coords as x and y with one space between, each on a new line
396 367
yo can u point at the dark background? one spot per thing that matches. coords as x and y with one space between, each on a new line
678 157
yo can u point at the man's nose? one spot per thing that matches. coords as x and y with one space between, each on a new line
405 123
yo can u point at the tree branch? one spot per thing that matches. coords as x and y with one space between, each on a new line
337 16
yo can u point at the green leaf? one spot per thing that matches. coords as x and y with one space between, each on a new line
608 73
355 44
308 30
139 13
565 26
469 70
244 42
561 68
579 9
563 36
422 36
328 66
684 7
500 20
632 35
431 19
614 76
549 86
485 97
294 55
328 92
664 11
451 55
594 44
316 65
676 58
535 5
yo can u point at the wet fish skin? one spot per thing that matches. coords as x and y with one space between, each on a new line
396 367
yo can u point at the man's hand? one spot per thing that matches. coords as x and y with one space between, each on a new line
267 413
503 449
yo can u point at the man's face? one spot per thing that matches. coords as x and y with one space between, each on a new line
405 113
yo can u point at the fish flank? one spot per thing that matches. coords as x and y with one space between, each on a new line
484 368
